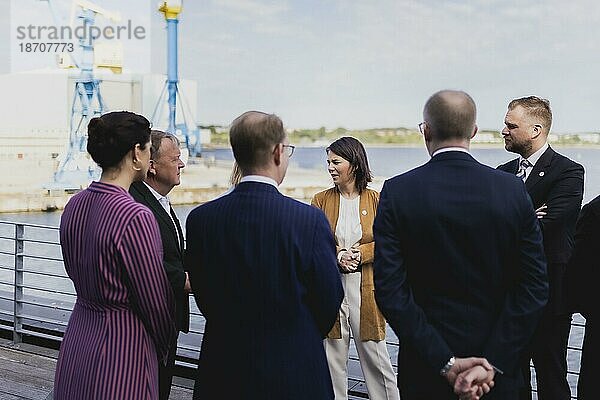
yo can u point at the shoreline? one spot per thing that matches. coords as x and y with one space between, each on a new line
203 179
486 145
200 182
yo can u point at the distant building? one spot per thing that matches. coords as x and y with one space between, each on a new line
205 135
589 137
486 137
36 107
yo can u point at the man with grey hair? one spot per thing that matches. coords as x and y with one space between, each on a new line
459 266
163 175
264 272
555 184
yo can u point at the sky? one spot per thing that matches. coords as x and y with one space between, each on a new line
369 64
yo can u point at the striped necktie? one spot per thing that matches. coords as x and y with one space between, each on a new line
523 165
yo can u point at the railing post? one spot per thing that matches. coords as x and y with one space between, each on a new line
18 292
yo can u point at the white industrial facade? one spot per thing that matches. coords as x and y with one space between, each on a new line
36 107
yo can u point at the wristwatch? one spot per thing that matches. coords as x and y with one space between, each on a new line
444 371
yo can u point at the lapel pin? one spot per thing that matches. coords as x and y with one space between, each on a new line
542 173
364 212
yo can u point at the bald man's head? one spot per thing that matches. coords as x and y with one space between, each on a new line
450 114
253 136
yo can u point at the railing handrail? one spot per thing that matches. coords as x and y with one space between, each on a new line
55 228
20 317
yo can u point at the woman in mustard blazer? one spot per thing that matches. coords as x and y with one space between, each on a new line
350 208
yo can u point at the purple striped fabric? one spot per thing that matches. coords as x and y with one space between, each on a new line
123 320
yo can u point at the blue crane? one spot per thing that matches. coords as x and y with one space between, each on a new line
76 170
191 136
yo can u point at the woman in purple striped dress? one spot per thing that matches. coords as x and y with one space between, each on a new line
123 319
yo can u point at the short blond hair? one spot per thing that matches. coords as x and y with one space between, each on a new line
536 107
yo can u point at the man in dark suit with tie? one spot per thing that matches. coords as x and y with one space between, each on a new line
264 273
163 176
459 265
555 184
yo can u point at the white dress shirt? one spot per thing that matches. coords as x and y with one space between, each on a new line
261 179
446 149
166 204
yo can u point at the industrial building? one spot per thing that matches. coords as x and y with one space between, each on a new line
36 107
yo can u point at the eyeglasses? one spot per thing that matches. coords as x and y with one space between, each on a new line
422 126
290 149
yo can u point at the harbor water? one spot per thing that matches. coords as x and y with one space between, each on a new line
385 162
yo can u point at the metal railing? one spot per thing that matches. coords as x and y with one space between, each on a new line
37 297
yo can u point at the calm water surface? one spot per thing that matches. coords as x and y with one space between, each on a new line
384 161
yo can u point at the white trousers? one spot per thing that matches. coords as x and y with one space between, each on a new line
374 358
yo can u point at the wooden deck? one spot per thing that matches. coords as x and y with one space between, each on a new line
27 373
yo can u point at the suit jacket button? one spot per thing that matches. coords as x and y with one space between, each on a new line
364 212
542 173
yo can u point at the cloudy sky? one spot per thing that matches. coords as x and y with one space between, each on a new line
367 63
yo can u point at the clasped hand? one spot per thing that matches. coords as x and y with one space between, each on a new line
471 377
350 259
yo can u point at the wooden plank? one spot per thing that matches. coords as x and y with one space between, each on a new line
23 390
28 376
179 393
8 396
24 375
182 388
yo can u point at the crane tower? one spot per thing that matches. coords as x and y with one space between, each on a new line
76 169
191 135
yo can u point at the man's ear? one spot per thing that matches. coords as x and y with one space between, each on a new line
474 132
537 131
152 170
427 133
277 153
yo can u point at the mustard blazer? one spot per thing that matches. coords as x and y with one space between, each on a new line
372 323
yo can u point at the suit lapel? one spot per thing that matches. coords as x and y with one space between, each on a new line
540 169
178 226
161 213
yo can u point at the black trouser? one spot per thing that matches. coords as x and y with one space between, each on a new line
548 350
165 372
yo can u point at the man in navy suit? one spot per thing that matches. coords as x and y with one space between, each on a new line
555 184
459 264
264 274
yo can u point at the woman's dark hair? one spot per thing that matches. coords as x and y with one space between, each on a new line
353 151
114 134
